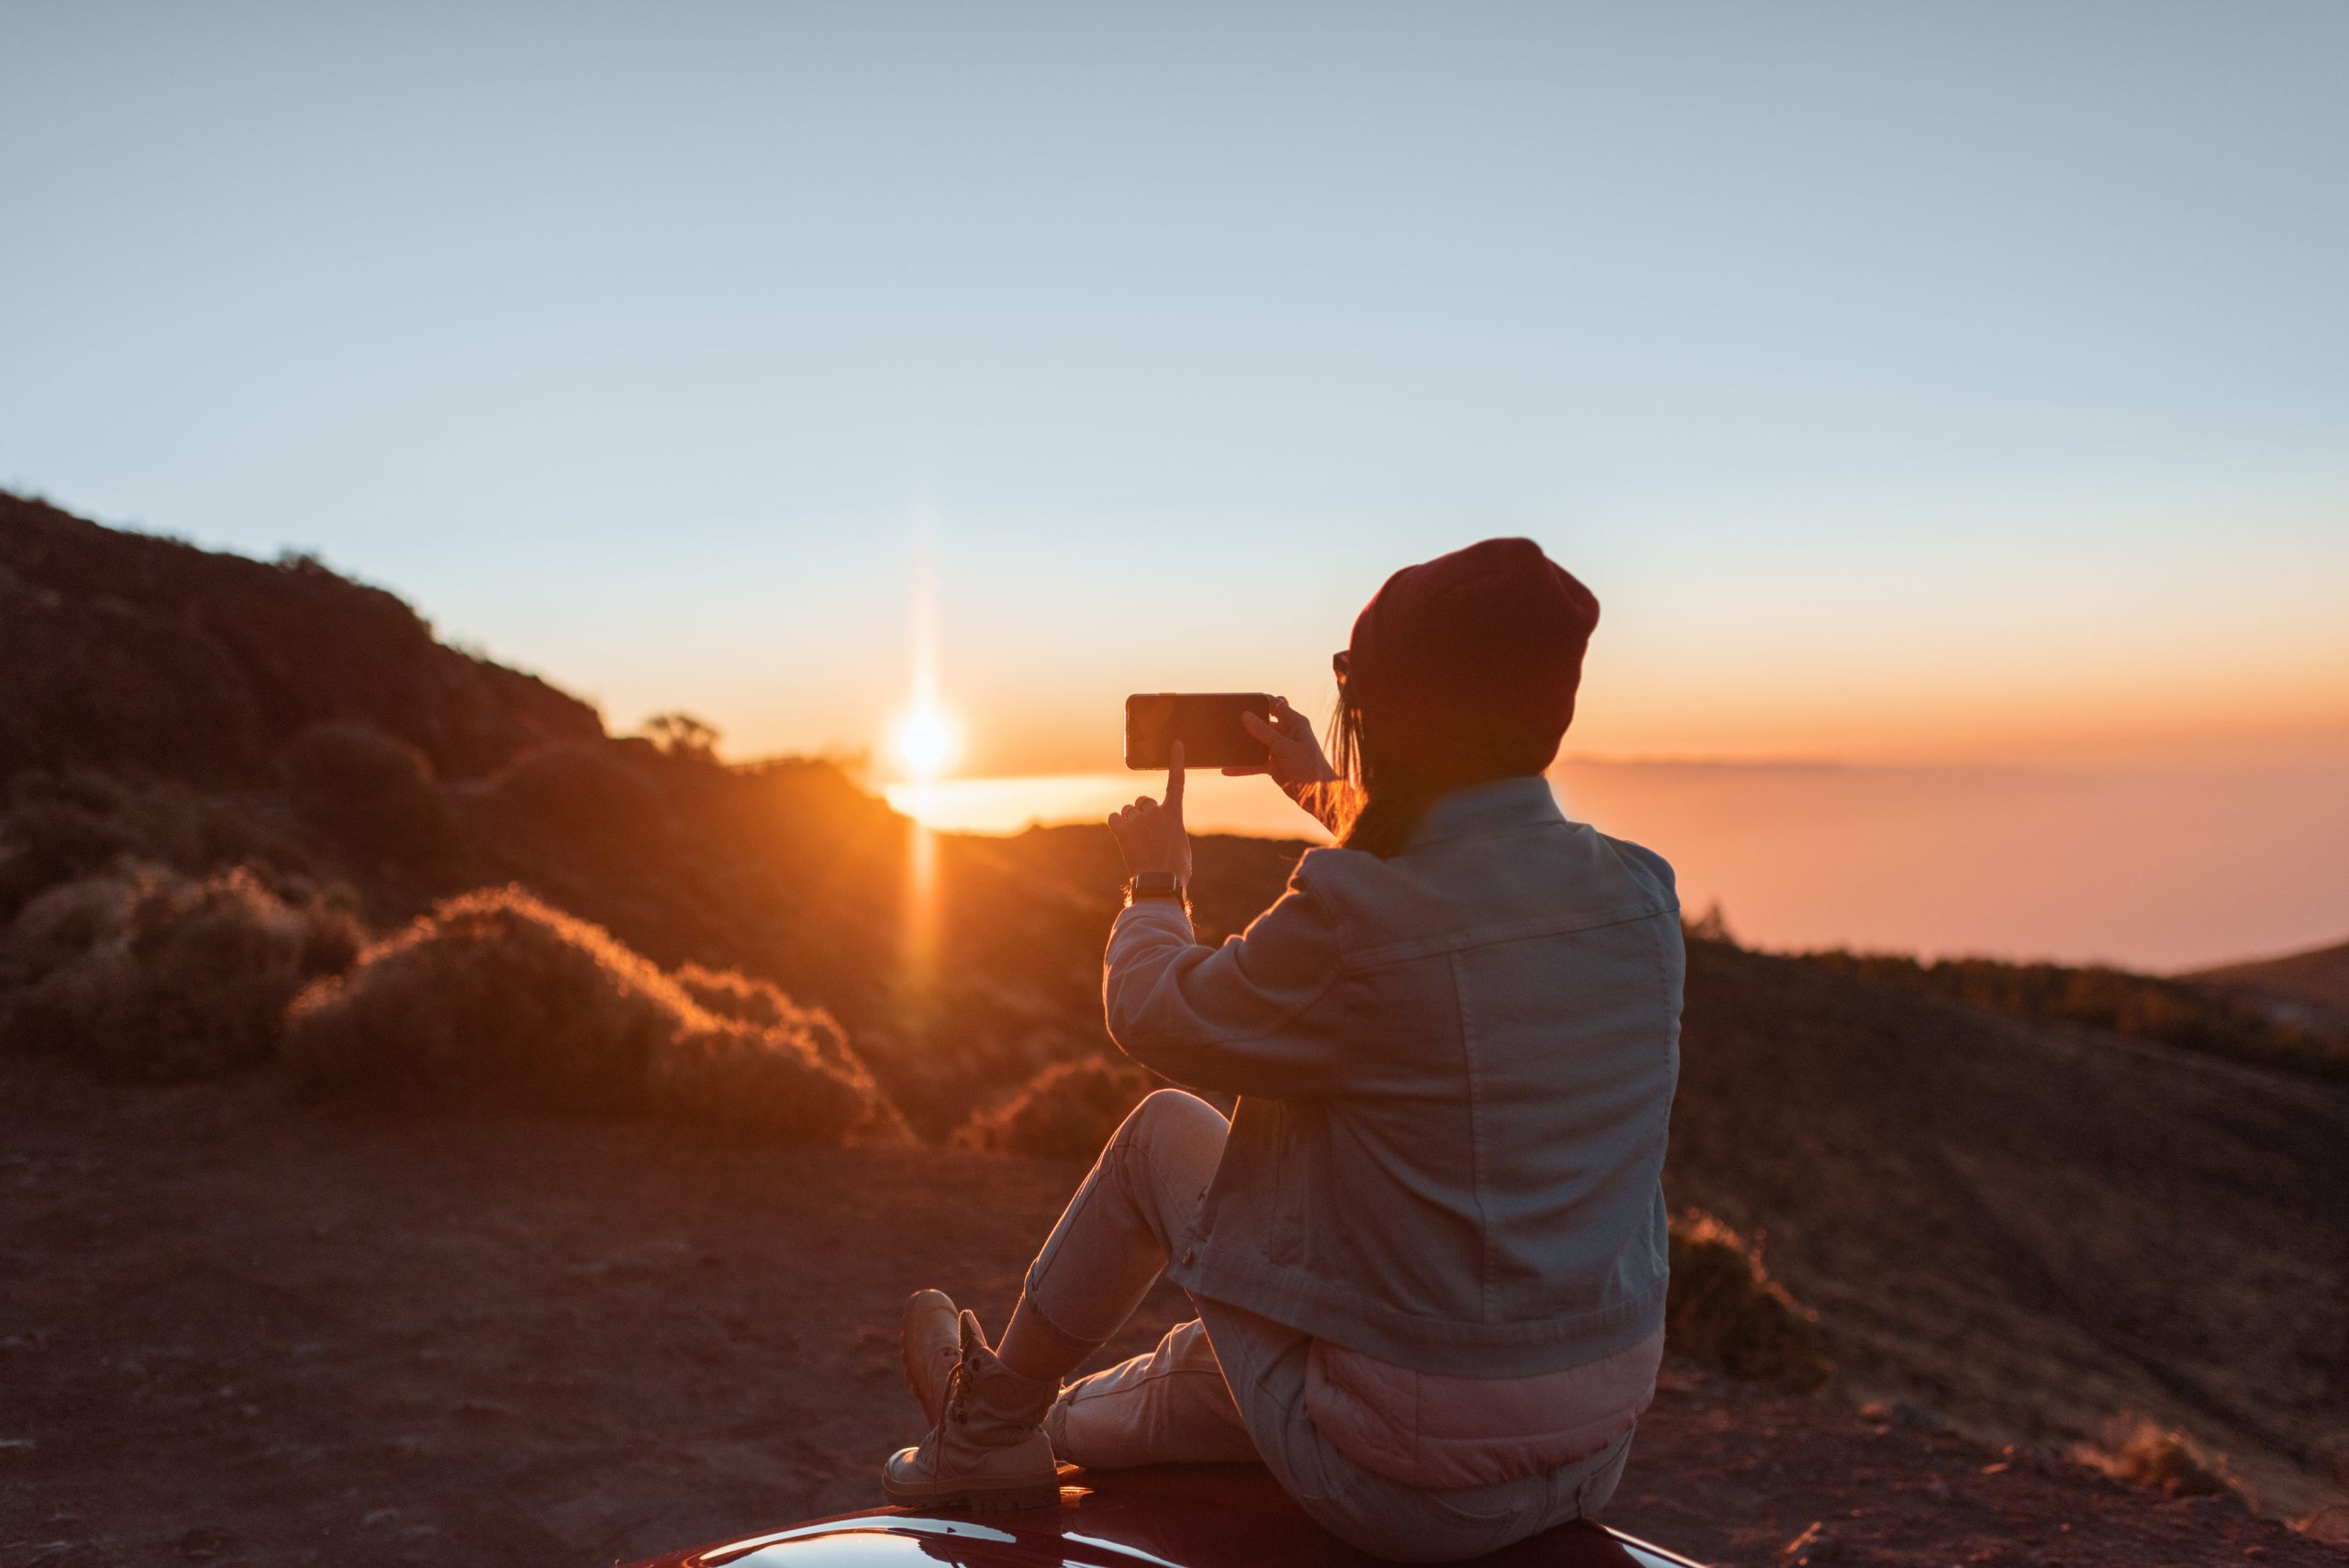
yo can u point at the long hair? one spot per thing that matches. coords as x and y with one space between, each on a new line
1377 801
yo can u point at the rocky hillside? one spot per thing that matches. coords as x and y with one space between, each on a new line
2316 981
126 650
2027 1226
2035 1226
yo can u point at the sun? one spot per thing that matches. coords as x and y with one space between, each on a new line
925 741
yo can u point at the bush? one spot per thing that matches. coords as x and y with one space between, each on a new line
1067 1111
588 791
46 843
745 999
740 1079
370 790
2172 1012
2142 1453
146 973
496 1002
493 1001
1725 1310
61 827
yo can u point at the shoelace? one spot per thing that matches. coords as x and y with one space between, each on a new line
957 1380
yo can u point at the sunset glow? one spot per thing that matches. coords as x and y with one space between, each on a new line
1965 494
925 741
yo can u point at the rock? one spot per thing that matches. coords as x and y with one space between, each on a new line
1814 1545
1889 1412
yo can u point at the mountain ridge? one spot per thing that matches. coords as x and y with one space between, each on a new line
2315 978
126 649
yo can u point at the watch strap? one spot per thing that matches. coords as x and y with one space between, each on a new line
1154 885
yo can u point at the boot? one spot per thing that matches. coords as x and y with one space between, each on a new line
928 1349
988 1451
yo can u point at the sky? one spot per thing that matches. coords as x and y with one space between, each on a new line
1917 388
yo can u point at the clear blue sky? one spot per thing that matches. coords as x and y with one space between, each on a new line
1832 344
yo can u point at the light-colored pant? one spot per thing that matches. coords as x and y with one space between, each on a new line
1228 1384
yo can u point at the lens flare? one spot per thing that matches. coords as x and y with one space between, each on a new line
925 741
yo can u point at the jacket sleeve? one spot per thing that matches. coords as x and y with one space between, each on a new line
1238 1017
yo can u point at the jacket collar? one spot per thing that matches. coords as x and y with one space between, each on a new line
1498 806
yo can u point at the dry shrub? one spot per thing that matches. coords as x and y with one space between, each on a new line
498 1001
587 790
46 843
788 1040
493 1001
1726 1311
1067 1111
146 973
2140 1451
367 788
746 998
743 1080
60 827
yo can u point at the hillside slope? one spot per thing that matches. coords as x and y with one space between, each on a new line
2318 978
2029 1225
123 649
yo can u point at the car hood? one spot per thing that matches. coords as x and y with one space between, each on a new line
1192 1516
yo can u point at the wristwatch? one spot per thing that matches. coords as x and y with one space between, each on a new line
1154 885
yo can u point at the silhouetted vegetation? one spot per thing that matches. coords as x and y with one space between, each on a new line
2173 1012
58 825
588 790
124 651
373 792
1067 1111
683 735
1725 1310
495 1002
730 1077
142 973
758 1010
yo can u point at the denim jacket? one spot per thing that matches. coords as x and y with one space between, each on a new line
1455 1068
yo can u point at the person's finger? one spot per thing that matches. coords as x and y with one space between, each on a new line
1277 728
1175 781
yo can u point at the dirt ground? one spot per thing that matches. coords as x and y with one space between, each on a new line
234 1330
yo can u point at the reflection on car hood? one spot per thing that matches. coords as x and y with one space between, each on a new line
1191 1516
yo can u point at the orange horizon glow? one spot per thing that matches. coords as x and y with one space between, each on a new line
2156 869
2097 785
2230 709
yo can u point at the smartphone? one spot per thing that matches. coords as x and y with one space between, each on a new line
1207 723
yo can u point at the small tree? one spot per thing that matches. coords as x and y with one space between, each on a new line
683 735
1712 926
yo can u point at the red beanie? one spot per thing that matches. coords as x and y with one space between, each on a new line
1465 667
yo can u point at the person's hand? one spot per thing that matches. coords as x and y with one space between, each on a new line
1149 834
1292 756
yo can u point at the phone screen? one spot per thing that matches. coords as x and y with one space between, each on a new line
1207 723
